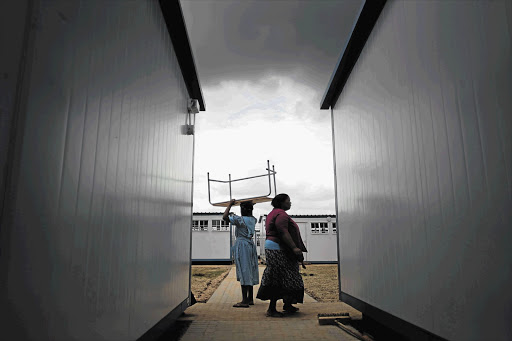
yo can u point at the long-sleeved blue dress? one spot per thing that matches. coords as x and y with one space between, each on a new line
244 250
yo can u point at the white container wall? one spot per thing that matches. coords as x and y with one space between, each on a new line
318 236
423 146
209 244
97 240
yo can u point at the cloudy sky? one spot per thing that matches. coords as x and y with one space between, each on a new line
264 67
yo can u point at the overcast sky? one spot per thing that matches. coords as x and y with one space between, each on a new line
264 67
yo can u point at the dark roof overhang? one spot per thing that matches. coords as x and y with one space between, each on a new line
362 29
173 16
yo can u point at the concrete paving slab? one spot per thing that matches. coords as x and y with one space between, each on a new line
229 290
218 320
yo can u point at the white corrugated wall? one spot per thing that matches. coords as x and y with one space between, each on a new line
98 241
423 145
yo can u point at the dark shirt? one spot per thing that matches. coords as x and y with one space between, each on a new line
279 221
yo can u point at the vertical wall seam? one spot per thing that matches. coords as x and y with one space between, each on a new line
91 200
102 223
65 150
446 135
108 259
499 113
421 222
82 144
338 215
15 141
480 137
436 164
114 215
464 142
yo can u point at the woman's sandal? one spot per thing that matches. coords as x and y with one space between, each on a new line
273 314
241 305
290 309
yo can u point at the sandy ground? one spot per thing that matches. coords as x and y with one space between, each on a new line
320 281
206 279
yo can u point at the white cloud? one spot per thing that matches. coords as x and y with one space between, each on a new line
273 118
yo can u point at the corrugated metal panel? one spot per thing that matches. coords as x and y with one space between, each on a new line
100 241
13 27
423 142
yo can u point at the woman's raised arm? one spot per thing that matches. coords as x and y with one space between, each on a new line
226 212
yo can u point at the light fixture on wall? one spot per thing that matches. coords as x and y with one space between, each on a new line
193 106
193 109
328 219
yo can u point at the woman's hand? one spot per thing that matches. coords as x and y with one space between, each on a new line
298 254
232 202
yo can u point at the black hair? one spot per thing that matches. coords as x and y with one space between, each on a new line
279 199
247 204
246 207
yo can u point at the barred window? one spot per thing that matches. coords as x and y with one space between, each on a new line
200 225
220 225
334 230
317 228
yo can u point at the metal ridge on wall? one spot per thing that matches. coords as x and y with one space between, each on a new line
173 16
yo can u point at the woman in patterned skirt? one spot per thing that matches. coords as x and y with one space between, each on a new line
244 251
283 252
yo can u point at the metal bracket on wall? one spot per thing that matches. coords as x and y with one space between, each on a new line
192 109
271 174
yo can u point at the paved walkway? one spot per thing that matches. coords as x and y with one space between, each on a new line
218 320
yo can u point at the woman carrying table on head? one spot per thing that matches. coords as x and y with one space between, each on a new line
244 250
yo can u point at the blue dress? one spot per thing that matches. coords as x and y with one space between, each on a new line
244 250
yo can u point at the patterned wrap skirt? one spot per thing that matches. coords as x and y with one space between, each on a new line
246 261
281 279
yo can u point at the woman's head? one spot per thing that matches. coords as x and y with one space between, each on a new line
246 208
282 201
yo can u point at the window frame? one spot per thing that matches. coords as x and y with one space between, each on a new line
223 225
198 227
319 228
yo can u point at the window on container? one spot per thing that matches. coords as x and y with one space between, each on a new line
224 226
195 225
334 228
200 225
315 228
324 228
220 225
257 239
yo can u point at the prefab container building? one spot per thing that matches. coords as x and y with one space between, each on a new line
96 168
319 234
212 238
421 111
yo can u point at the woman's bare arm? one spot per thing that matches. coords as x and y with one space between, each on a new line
226 212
